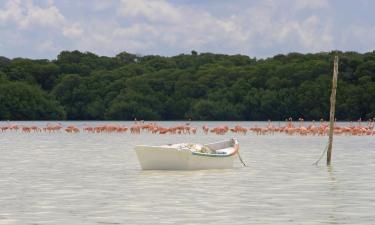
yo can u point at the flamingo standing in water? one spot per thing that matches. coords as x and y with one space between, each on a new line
289 128
205 129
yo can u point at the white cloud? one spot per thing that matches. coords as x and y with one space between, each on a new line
49 16
312 37
73 31
153 10
261 28
26 15
179 27
11 12
135 31
260 25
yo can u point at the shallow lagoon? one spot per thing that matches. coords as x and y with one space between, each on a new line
85 178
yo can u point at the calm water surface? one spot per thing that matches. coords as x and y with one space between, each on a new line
96 179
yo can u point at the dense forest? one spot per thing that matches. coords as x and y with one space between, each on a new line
196 86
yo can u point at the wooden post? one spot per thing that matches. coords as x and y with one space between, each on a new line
332 110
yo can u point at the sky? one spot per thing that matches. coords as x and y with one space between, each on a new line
257 28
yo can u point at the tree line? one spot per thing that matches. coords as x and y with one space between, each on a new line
197 86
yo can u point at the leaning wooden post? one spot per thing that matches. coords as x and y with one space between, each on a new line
332 110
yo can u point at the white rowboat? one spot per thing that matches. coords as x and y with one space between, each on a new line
186 156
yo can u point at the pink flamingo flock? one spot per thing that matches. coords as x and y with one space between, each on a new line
289 128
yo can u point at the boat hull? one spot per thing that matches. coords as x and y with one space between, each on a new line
159 158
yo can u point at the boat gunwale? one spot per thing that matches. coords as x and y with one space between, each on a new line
219 155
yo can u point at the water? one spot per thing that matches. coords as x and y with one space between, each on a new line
96 179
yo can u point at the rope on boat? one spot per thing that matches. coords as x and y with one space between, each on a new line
321 156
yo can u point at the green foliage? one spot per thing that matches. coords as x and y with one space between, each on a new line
130 105
199 86
211 110
20 101
4 63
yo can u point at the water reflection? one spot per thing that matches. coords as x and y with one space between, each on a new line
332 185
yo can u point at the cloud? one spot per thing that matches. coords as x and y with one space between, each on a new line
73 31
11 12
262 24
260 28
26 15
154 10
180 27
135 31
